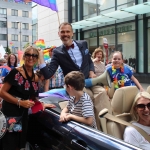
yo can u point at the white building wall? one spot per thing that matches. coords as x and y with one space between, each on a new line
48 22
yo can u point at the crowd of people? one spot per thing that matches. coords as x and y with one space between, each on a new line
69 65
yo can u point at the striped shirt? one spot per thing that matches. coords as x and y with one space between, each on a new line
82 108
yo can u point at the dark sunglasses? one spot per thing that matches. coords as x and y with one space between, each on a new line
29 55
142 106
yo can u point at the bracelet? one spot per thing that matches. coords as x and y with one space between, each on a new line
18 103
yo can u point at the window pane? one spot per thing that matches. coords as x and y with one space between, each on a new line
34 15
3 37
127 2
25 14
14 37
126 42
25 38
90 8
106 6
3 11
25 26
91 38
14 12
3 24
73 10
15 25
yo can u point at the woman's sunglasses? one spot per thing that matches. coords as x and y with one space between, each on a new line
143 106
31 55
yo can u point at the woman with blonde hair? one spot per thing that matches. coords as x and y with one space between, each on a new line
140 112
98 57
19 93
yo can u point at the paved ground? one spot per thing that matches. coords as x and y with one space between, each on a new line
145 85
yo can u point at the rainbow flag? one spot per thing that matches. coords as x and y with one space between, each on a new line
47 3
46 52
40 43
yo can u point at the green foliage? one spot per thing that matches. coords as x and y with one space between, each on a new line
7 50
26 45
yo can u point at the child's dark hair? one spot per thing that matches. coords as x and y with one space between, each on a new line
75 79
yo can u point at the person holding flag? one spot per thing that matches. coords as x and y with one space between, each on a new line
73 55
20 97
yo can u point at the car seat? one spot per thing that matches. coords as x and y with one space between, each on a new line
111 91
121 104
148 89
63 104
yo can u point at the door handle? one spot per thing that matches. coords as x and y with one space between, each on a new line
81 145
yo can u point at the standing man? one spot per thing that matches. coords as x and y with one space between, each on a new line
73 56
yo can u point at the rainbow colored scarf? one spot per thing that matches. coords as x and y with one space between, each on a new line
115 80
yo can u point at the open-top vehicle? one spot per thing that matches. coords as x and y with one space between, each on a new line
48 133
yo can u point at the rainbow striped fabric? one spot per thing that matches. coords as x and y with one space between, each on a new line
40 43
46 52
47 3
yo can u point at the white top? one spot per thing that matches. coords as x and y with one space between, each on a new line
132 136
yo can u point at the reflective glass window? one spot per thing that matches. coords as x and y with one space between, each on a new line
91 38
109 34
126 42
3 11
89 8
106 6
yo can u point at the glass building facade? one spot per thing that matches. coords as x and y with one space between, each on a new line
129 35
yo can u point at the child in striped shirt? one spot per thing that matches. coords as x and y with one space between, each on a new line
80 106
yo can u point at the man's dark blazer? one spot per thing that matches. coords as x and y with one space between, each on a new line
61 57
